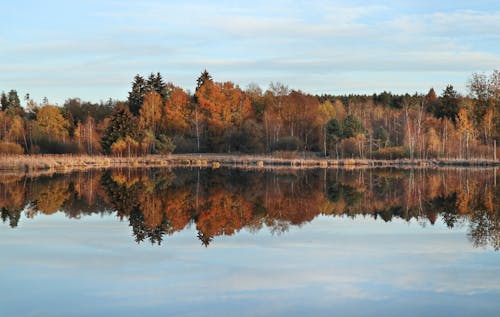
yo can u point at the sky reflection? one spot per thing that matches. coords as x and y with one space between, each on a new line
331 266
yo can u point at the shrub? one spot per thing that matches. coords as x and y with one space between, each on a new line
250 138
164 144
286 154
46 146
118 147
184 145
10 148
289 143
353 146
391 153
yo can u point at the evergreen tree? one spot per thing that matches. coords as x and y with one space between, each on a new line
14 101
204 77
122 124
4 101
333 134
156 83
431 101
334 130
448 106
136 95
382 136
352 126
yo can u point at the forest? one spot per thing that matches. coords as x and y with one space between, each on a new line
220 117
157 203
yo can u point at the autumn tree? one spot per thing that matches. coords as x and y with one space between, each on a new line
299 115
17 131
87 135
81 110
486 111
432 143
326 112
431 102
151 112
254 92
465 128
225 107
177 110
52 123
275 98
479 89
339 109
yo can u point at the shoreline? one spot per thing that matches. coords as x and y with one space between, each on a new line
69 163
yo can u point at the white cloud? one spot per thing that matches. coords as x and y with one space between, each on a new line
312 44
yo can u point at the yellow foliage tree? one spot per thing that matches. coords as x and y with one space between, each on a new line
464 126
326 112
151 111
119 147
52 123
432 142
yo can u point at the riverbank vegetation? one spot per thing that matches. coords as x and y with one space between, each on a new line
158 203
49 164
221 117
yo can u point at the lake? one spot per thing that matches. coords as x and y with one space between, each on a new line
225 242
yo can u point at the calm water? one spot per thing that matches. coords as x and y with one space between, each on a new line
189 242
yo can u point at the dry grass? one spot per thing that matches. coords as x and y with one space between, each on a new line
68 163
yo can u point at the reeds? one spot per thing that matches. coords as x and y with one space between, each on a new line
68 163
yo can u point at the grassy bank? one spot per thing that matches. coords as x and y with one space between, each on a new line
66 163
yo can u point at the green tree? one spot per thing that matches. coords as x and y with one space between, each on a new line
352 126
155 83
122 125
14 101
136 95
448 105
11 102
204 77
4 101
334 134
164 144
382 136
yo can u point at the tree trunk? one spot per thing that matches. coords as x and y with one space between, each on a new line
324 139
197 131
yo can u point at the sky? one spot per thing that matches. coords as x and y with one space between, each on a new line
55 266
93 49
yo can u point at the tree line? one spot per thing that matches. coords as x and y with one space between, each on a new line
161 202
159 117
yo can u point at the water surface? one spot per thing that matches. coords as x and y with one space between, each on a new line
190 242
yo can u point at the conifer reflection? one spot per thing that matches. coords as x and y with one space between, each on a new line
160 202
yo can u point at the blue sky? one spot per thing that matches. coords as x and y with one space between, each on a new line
54 266
92 49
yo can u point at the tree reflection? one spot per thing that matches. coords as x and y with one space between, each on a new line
161 202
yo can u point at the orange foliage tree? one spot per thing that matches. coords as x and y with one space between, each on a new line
225 107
